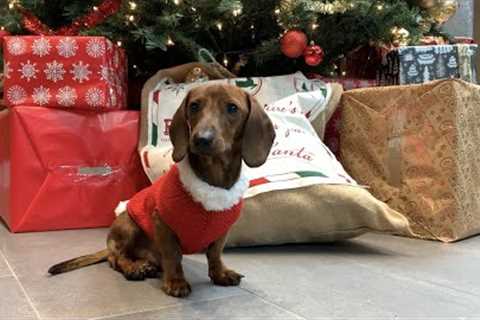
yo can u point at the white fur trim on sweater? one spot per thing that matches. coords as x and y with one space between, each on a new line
212 198
121 208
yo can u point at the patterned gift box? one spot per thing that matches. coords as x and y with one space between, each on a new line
420 64
416 147
70 72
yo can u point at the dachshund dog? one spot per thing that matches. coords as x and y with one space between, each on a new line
192 206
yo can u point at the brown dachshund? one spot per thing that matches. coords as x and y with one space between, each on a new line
214 130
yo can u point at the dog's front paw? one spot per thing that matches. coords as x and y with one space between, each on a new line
226 278
140 271
177 288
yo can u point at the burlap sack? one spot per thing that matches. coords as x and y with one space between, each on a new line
319 213
418 149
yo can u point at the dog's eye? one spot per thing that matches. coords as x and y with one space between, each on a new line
231 108
194 107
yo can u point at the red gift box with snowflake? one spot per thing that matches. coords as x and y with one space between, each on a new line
65 72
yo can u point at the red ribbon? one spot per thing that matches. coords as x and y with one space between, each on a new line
90 20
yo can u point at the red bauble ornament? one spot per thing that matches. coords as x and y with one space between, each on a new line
293 43
313 55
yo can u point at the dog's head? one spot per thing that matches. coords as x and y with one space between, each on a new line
216 119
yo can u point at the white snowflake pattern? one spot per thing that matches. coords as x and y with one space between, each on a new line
95 48
41 95
28 70
16 94
7 69
66 96
106 74
67 47
16 46
54 71
95 97
80 72
41 47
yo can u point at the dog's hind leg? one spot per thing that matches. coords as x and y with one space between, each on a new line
129 250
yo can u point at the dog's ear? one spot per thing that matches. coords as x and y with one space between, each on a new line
258 135
179 132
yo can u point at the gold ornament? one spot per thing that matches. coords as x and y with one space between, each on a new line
425 4
443 10
400 36
197 74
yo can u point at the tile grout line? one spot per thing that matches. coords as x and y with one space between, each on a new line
397 276
173 305
9 266
274 304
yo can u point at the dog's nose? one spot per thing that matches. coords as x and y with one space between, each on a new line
204 139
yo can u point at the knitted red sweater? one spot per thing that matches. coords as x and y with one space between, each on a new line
195 227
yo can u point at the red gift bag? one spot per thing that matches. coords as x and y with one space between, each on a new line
66 169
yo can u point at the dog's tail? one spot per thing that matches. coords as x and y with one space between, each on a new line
79 262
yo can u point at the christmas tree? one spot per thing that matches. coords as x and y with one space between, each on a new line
244 35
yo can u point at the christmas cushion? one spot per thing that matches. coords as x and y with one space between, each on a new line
68 72
417 148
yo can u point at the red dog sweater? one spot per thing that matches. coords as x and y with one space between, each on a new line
197 212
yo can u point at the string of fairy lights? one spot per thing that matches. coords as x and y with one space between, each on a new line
320 7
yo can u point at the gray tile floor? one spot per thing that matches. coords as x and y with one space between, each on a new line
371 277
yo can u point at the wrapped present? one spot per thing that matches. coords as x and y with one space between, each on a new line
417 148
420 64
69 72
66 169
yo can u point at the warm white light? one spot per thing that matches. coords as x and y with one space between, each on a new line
314 26
237 12
131 18
170 42
277 11
344 73
380 7
177 2
219 26
225 61
119 43
194 9
95 8
133 5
